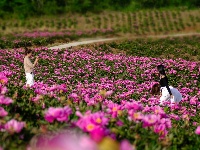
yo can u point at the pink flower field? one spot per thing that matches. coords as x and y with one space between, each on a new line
92 100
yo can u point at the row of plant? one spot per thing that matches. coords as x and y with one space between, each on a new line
45 38
140 22
24 9
103 96
187 48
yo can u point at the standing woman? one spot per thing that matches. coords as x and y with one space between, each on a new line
165 90
28 67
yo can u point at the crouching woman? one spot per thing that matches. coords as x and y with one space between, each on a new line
29 67
164 94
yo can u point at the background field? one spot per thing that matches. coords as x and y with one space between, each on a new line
43 31
101 90
137 23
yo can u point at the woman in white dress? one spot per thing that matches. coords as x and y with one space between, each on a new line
29 67
165 96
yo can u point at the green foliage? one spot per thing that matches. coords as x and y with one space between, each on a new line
169 48
27 8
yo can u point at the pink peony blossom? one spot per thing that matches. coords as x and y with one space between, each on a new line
99 118
197 131
97 134
5 100
90 122
108 93
114 109
74 97
13 126
3 78
3 113
3 90
133 105
125 145
59 114
63 141
161 130
150 120
194 100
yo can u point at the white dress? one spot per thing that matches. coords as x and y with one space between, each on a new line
29 79
177 97
28 66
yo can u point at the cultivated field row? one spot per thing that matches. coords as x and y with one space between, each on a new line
137 23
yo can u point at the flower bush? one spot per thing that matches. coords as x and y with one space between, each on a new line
44 38
105 96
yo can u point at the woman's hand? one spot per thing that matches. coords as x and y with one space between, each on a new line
36 60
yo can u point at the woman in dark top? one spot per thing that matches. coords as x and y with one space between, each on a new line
165 90
177 97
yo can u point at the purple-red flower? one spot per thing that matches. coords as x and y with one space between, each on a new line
125 145
3 113
158 110
90 122
197 131
38 97
173 116
99 118
13 126
3 78
135 106
97 134
74 97
5 100
194 100
150 120
69 140
114 109
161 130
108 93
3 90
137 116
90 126
59 114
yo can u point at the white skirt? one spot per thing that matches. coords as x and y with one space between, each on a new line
177 97
29 79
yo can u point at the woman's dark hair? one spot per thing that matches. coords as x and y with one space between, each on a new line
27 51
161 69
155 89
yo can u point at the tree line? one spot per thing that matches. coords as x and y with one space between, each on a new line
25 8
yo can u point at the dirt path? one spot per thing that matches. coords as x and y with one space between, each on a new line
83 42
89 41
